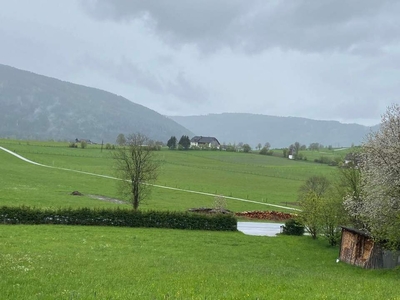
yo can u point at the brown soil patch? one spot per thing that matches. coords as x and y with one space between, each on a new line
266 215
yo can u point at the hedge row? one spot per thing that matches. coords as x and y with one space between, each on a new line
117 217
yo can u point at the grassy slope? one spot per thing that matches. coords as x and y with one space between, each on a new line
60 262
26 184
248 176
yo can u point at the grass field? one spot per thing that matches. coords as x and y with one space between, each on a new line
60 262
333 154
249 176
73 262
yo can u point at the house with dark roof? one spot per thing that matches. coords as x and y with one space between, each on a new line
204 141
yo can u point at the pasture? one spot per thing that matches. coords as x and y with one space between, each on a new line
254 177
75 262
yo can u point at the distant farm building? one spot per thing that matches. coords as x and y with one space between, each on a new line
352 159
358 248
87 141
204 141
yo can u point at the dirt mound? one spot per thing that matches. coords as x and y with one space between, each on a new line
266 215
76 193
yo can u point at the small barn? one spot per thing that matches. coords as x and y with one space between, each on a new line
358 248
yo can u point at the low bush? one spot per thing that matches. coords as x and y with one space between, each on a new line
117 217
264 151
230 148
327 161
83 144
293 227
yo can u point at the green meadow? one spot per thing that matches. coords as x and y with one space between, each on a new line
259 178
68 262
76 262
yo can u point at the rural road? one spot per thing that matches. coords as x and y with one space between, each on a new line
257 228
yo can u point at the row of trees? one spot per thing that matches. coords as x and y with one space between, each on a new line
184 143
365 195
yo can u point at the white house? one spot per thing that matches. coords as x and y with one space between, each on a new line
204 141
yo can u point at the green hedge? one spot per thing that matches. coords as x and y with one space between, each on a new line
117 217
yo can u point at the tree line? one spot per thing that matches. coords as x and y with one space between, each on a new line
366 193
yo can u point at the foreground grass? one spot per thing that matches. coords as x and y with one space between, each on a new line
61 262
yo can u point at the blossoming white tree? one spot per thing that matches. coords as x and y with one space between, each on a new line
378 206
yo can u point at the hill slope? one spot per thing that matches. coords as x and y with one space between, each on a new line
278 131
38 107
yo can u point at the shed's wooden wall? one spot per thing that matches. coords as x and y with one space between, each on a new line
356 249
360 250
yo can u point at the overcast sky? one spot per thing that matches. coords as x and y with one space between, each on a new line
327 60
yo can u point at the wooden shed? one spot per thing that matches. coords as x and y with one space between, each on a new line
358 248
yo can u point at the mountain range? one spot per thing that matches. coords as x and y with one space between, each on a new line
34 106
38 107
278 131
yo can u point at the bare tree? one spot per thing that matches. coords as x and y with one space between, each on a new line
316 184
136 166
379 203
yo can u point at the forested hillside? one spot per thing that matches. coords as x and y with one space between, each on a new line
278 131
38 107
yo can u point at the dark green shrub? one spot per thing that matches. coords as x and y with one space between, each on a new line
293 227
263 151
117 217
323 160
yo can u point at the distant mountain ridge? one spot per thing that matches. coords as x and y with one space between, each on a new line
38 107
278 131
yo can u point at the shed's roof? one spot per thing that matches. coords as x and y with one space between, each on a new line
360 232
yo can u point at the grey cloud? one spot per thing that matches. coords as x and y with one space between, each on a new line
199 22
357 26
129 73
